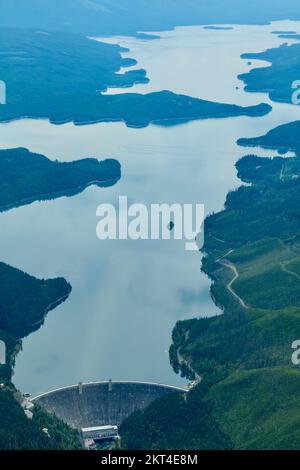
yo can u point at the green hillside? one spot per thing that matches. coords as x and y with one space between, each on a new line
20 433
249 383
24 302
260 409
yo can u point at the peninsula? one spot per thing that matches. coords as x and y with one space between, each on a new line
72 73
277 78
283 138
26 177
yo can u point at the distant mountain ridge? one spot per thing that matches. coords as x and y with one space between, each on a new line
130 16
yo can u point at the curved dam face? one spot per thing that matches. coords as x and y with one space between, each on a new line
101 403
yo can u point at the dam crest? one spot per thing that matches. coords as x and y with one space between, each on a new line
101 403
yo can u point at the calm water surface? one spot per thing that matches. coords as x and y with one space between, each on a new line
128 295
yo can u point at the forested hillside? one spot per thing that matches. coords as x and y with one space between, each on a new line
24 302
249 383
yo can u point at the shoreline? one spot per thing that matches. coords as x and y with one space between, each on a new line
156 122
51 196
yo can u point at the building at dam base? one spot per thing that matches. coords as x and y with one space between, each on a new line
97 404
97 435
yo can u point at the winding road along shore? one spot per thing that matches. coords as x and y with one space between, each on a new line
232 267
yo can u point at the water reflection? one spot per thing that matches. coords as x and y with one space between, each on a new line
128 295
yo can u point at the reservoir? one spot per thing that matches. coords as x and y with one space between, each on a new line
127 295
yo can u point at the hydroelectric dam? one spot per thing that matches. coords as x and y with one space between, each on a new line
101 403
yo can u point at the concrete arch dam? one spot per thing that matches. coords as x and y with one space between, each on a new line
101 403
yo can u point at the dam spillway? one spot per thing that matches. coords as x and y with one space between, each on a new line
101 403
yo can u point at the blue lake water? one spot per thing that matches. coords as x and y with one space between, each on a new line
128 295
